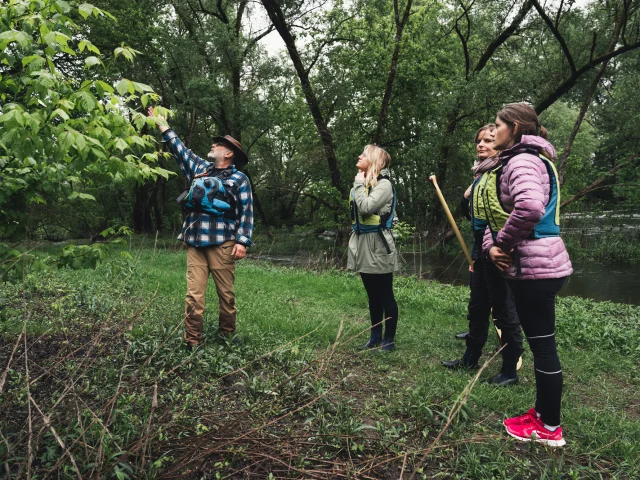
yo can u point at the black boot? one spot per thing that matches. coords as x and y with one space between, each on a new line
507 375
374 340
468 360
388 345
501 380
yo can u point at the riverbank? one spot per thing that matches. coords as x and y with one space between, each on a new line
604 237
298 399
606 266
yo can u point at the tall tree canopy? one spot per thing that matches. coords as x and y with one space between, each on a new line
416 76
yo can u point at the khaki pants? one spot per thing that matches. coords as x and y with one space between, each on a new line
218 261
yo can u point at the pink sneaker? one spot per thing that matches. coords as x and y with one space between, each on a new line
536 431
522 419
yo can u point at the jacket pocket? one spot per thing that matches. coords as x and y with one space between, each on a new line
385 239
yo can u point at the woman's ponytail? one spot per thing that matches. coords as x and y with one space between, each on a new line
542 132
525 117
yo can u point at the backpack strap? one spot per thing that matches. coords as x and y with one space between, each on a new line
182 196
384 219
222 175
384 241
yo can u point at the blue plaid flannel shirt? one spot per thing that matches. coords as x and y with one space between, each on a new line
202 229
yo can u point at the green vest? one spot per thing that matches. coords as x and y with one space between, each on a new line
479 220
371 223
487 209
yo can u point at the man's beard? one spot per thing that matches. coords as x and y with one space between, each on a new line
212 156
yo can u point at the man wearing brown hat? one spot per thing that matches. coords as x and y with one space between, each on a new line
214 242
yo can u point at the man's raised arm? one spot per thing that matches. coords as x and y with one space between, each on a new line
189 162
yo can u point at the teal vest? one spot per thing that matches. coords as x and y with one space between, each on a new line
487 208
371 223
479 220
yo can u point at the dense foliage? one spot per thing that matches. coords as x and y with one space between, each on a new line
418 77
66 126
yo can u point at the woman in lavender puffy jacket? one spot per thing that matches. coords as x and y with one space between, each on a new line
524 242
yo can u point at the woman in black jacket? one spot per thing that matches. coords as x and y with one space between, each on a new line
490 295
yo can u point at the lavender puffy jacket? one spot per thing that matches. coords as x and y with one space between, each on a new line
524 192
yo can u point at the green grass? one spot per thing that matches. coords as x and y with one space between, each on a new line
298 399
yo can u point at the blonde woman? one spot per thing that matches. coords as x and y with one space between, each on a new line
372 251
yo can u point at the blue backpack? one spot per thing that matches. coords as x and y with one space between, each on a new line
208 194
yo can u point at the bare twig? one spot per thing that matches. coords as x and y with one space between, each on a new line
6 459
331 351
6 370
404 463
455 409
30 416
47 422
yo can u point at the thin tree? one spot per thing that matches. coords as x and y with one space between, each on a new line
277 17
400 23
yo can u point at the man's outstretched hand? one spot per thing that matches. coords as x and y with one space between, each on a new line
163 128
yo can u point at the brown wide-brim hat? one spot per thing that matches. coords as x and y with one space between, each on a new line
240 158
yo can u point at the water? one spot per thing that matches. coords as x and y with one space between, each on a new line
593 224
616 283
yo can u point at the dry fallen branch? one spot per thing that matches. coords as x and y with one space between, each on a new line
47 423
457 406
6 370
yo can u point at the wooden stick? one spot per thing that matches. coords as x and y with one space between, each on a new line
452 222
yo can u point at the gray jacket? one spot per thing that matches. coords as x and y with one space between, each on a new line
367 253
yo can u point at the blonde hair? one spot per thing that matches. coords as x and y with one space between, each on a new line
378 159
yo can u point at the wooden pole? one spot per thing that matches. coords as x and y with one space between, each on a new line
452 222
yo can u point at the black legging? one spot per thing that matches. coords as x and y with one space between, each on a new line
490 291
536 303
382 303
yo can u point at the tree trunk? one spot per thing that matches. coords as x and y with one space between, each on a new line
442 162
587 100
156 205
141 209
386 99
277 18
258 207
